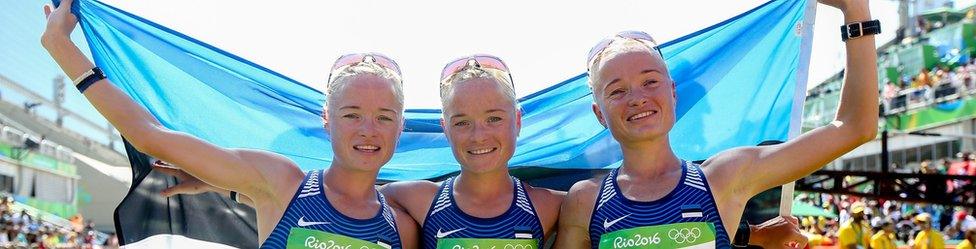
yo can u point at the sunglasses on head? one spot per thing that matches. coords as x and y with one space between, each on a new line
478 60
633 35
356 58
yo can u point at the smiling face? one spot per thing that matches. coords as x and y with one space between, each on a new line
364 119
482 124
634 95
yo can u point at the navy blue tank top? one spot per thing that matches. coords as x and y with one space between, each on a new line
310 221
684 218
447 225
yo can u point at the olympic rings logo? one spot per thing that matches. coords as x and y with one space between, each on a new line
507 246
684 235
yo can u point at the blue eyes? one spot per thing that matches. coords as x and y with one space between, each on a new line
619 91
466 122
356 116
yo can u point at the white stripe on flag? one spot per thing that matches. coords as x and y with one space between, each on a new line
799 94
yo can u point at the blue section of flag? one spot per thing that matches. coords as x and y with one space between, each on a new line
736 83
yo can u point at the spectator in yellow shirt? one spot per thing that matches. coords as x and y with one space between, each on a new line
854 234
928 238
814 233
885 237
967 241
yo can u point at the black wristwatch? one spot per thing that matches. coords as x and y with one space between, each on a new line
741 239
88 78
858 29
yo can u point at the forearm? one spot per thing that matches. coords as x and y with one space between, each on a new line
132 120
859 99
66 54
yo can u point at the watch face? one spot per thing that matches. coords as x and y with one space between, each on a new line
858 29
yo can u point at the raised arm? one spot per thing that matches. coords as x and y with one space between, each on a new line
224 168
856 123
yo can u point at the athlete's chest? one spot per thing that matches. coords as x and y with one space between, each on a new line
645 192
357 208
647 189
486 207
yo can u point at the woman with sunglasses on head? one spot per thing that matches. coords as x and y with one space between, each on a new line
363 115
656 199
483 206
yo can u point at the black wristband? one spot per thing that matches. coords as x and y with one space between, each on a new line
858 29
95 76
741 239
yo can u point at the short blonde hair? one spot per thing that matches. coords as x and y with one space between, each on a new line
618 46
474 72
341 78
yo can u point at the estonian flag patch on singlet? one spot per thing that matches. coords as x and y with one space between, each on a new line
523 232
691 211
384 242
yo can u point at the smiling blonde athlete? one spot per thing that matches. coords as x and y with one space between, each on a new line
656 199
341 204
